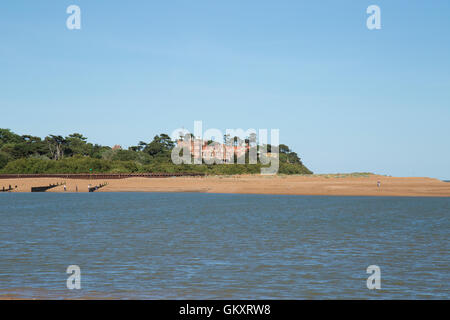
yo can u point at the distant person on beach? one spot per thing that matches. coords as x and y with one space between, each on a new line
76 188
65 188
378 184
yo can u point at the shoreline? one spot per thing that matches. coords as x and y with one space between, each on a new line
320 185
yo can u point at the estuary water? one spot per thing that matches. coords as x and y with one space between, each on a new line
218 246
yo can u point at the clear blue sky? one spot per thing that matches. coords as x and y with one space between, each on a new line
345 98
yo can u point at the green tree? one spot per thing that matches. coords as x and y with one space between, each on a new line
56 145
160 146
6 136
76 145
4 159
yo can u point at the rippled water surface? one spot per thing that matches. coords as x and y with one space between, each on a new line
209 246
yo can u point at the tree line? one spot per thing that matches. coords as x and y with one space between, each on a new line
74 154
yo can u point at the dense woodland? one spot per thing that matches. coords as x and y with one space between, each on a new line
74 154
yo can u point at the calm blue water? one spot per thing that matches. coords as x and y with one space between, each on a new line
206 246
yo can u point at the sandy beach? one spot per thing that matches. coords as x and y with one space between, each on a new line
337 185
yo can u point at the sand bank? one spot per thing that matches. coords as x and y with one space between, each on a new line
346 185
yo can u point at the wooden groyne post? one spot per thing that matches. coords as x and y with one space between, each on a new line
45 188
7 190
95 188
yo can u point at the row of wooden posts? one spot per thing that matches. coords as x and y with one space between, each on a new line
10 188
51 186
54 185
100 176
45 188
95 188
